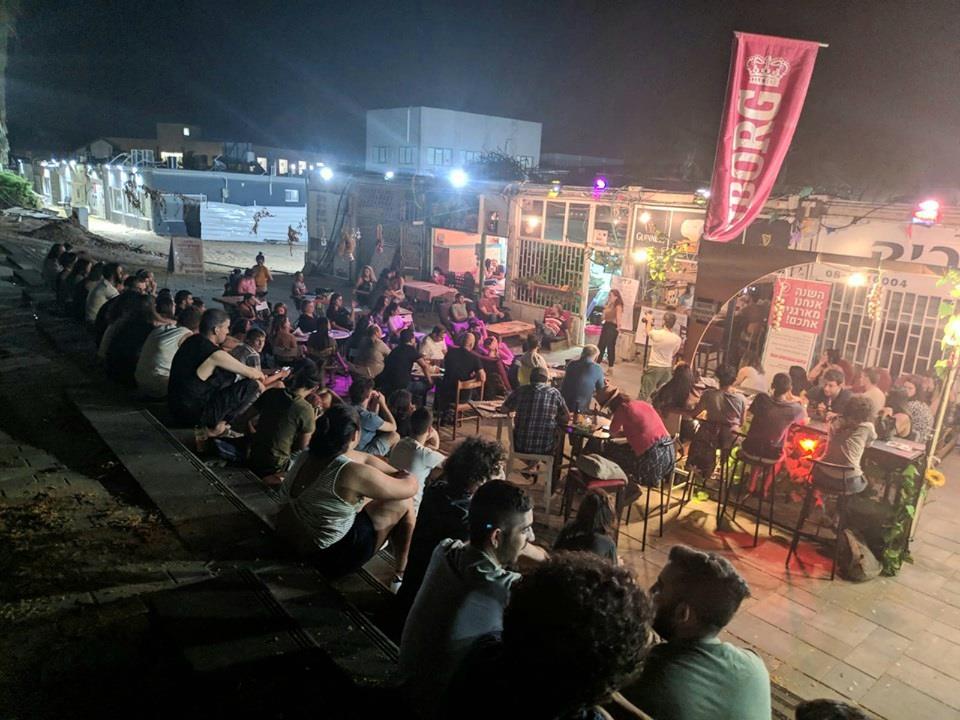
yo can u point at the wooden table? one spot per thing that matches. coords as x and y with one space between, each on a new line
427 291
490 410
503 330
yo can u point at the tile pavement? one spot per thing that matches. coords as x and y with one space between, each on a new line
891 645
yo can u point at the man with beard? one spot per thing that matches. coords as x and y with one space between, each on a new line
693 675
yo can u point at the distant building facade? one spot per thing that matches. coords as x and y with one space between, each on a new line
179 145
433 141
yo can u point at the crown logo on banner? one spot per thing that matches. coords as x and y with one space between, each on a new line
766 69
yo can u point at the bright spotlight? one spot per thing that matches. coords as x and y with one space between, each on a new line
644 217
857 279
704 193
458 178
533 222
326 174
641 255
389 175
600 183
927 212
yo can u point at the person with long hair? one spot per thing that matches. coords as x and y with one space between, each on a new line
799 383
371 355
307 322
612 314
590 531
679 392
363 288
341 504
51 265
298 289
286 350
320 347
340 318
752 375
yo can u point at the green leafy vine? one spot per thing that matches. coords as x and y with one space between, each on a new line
895 536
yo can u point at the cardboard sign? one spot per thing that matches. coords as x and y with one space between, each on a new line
628 288
186 255
797 316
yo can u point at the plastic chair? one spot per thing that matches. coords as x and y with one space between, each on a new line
545 469
847 471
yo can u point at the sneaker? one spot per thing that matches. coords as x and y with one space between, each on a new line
396 583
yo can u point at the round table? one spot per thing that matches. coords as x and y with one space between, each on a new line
339 334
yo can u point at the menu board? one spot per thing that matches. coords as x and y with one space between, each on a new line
797 317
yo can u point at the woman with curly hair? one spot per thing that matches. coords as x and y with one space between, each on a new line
443 510
575 624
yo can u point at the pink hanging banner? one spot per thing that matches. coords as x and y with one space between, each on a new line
768 82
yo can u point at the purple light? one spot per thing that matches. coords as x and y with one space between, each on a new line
600 183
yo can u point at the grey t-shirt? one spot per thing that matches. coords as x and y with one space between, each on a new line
462 598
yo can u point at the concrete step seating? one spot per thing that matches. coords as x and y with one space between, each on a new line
258 607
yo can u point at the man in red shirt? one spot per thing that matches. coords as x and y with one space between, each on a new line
648 455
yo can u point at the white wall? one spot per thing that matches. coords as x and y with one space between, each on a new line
393 128
460 132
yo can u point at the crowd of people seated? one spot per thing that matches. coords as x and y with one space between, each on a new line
480 603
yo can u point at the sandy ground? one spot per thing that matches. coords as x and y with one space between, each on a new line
219 256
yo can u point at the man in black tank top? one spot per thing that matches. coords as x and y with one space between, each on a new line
204 389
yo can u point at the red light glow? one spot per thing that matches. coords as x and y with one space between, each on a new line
808 445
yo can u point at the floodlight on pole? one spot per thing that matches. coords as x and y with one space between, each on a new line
326 174
389 175
458 178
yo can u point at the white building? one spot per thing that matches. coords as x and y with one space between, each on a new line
432 141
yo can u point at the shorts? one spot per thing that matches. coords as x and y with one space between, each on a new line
352 551
377 446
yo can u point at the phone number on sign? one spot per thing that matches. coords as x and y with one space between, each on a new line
842 275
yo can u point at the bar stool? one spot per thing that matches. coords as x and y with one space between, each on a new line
847 471
722 430
668 481
765 468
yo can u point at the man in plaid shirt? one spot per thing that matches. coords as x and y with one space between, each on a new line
540 410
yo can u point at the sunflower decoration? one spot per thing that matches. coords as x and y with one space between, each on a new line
935 478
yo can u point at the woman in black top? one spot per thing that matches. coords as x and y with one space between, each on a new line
590 530
339 317
307 322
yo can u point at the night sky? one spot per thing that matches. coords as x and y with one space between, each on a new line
638 80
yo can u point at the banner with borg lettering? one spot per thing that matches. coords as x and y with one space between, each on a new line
768 82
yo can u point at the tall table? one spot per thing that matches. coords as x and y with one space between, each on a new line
892 455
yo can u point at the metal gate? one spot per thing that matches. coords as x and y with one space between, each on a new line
548 272
903 338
